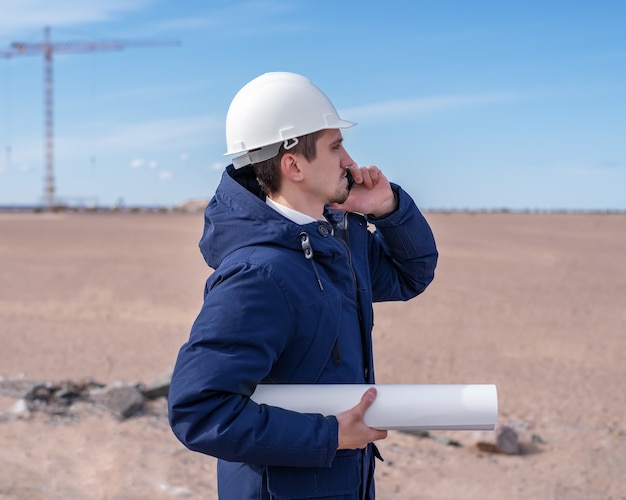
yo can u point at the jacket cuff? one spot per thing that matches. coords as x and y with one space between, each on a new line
402 204
397 204
333 439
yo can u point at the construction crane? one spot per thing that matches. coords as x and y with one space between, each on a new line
48 48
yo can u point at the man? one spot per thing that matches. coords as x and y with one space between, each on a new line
290 300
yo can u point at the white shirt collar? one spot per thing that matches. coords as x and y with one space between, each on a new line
290 213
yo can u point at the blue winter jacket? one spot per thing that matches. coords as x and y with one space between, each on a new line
288 303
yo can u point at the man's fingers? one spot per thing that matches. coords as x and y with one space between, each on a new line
353 431
368 177
367 400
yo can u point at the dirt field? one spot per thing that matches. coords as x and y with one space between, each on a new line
535 303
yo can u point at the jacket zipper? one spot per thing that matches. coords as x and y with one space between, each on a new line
346 241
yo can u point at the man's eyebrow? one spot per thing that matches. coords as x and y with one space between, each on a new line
337 142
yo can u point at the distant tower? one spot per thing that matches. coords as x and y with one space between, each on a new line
48 48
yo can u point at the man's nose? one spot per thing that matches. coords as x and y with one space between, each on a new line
346 160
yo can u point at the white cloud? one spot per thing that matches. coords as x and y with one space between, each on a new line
161 133
150 92
421 106
140 162
184 156
133 138
218 165
165 176
5 168
254 17
20 15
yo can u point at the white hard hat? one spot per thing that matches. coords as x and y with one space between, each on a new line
272 109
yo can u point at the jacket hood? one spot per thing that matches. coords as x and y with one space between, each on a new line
237 216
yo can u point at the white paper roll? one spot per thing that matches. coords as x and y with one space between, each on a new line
397 406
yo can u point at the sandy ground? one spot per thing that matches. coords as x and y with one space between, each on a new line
535 303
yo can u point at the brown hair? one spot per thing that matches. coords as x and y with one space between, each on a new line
268 171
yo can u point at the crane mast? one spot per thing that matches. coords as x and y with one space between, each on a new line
48 48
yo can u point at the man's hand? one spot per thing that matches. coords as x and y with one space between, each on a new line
371 193
353 431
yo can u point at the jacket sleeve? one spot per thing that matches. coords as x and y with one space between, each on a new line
239 333
403 253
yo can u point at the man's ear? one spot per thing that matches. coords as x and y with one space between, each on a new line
290 168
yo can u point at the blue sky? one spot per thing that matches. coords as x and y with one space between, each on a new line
468 105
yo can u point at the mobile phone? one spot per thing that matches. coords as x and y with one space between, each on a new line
350 179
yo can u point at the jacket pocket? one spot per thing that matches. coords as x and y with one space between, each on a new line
340 481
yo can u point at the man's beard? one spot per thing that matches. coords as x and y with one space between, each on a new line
341 196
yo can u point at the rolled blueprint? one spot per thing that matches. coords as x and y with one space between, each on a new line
397 406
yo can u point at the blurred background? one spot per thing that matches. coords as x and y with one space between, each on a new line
469 105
